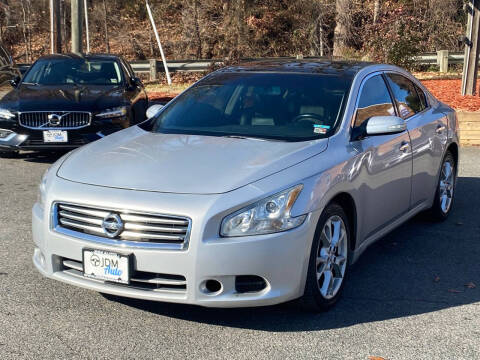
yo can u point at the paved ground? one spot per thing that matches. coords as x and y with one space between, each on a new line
406 298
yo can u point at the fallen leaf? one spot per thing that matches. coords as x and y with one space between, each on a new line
376 358
471 285
437 279
454 291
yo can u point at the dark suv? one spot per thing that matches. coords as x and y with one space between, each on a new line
65 101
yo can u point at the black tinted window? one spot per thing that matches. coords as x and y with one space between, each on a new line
291 107
374 100
408 101
423 98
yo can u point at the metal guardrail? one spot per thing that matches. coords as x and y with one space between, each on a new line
174 65
152 66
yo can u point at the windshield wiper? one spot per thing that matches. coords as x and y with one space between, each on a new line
30 83
249 137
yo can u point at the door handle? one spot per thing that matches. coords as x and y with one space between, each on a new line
440 129
404 147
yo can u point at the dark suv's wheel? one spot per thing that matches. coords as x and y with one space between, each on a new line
445 189
329 257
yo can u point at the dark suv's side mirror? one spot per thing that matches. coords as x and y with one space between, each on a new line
137 82
15 81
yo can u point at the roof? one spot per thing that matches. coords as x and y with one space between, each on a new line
80 56
308 66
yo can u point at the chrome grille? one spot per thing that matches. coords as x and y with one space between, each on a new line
141 280
137 229
68 120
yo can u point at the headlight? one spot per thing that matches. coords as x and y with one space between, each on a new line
5 133
41 194
6 114
113 113
266 216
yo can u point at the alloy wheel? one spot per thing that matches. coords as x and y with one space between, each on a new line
331 259
447 184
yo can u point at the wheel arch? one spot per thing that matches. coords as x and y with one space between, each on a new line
346 201
453 148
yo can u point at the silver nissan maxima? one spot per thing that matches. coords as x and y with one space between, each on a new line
260 184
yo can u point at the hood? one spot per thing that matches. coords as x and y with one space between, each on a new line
139 160
63 98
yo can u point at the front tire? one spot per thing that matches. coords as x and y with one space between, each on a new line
443 202
329 258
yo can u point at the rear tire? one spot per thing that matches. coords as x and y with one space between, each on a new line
329 260
444 193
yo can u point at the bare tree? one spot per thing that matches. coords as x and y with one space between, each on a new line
191 22
376 10
26 29
342 27
107 42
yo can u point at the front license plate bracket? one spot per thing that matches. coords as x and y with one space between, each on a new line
107 266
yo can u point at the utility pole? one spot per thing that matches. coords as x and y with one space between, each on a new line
470 65
55 27
85 5
77 24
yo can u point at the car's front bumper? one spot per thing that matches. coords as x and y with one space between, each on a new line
32 139
280 259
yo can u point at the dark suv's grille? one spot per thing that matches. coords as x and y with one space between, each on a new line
54 120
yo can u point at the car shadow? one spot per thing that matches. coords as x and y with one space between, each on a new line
421 267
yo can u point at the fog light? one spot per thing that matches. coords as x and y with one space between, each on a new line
211 287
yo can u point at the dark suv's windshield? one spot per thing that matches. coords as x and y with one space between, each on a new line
74 71
290 107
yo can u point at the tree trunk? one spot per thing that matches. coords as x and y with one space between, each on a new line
341 33
107 43
197 29
63 11
58 26
25 33
376 11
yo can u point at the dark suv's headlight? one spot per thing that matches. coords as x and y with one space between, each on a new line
113 113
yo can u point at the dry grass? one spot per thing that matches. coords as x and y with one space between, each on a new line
173 89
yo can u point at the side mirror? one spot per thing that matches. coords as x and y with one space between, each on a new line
137 82
15 81
153 110
383 125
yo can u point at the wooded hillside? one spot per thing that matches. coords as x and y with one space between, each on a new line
379 30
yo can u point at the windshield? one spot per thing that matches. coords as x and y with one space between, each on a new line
289 107
74 71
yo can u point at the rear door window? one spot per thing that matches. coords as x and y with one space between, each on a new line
374 100
408 101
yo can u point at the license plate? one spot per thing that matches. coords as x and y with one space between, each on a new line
55 136
108 266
